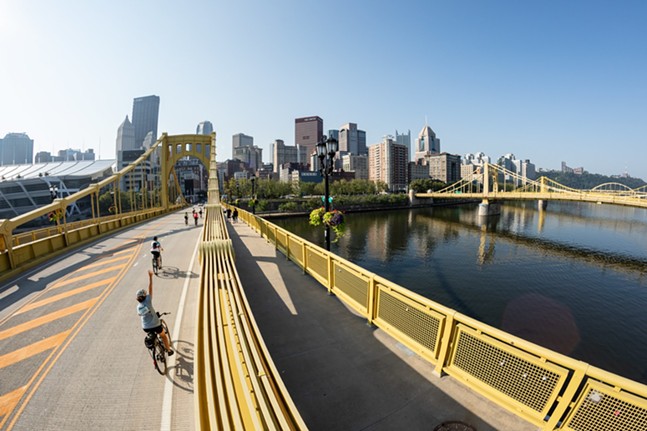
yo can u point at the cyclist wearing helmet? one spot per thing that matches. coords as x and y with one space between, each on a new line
150 320
156 249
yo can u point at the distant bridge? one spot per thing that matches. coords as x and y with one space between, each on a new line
495 183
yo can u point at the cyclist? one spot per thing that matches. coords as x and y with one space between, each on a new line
150 320
156 251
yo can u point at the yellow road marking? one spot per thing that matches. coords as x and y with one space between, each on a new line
33 349
46 319
44 368
65 295
9 401
134 243
85 276
104 262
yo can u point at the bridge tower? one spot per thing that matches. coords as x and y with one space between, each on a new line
542 204
487 208
174 148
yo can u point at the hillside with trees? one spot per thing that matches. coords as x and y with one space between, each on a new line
588 181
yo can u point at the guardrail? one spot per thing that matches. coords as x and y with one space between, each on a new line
548 389
237 386
27 249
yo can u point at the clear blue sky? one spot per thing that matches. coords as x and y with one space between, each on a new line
548 81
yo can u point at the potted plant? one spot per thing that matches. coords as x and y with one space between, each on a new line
334 219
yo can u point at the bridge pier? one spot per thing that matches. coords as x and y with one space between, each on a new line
487 208
413 200
542 204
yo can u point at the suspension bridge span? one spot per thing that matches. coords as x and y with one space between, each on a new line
491 183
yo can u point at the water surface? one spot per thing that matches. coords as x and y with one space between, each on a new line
572 278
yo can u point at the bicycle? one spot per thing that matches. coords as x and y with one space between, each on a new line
155 345
157 263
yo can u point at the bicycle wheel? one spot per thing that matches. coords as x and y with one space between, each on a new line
155 265
159 356
168 333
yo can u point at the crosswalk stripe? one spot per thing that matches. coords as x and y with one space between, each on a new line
33 349
47 318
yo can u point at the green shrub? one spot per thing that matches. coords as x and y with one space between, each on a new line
289 207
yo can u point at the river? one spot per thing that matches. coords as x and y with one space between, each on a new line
572 278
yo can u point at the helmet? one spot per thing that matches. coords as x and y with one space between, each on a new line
141 293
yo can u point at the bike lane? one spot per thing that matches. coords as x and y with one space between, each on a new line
72 355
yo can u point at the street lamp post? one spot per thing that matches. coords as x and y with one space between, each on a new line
326 150
253 195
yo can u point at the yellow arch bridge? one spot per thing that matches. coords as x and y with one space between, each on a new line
237 385
494 183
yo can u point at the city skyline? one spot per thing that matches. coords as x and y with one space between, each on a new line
549 82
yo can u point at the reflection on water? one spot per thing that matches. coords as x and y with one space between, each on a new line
572 278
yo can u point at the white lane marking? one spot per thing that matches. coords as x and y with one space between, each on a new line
167 403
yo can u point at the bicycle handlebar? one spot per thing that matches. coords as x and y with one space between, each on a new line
163 314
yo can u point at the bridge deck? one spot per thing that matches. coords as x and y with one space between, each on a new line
341 373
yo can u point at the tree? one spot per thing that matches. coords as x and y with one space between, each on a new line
422 185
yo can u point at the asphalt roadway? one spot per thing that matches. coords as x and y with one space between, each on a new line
72 355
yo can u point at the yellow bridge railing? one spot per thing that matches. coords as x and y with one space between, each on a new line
237 386
548 389
129 196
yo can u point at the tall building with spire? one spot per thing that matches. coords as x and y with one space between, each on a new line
125 137
427 144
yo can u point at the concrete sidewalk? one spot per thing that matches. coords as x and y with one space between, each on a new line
341 373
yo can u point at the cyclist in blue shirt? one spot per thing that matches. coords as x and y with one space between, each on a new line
150 320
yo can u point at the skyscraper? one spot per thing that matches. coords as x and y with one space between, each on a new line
352 140
204 128
307 132
405 139
243 149
16 149
444 167
387 162
145 117
427 144
238 143
125 137
282 154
